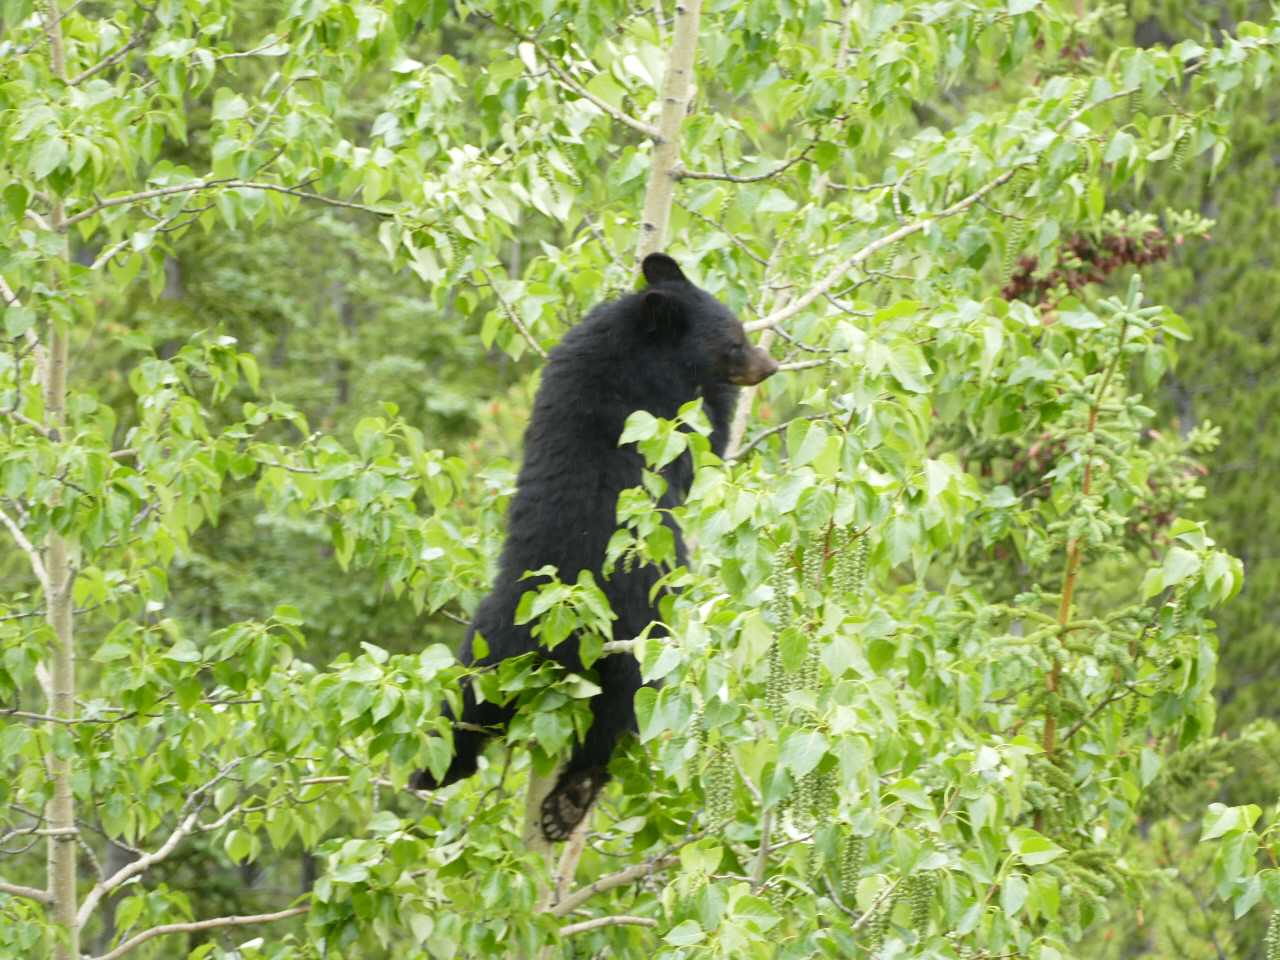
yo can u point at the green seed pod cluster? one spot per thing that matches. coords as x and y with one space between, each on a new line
810 673
1131 715
451 241
815 866
850 573
1272 941
777 897
775 688
780 581
544 168
812 564
718 785
1013 241
1136 100
806 792
878 929
1180 151
1179 613
725 202
825 794
920 890
853 854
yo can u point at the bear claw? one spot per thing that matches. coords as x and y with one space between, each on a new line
565 806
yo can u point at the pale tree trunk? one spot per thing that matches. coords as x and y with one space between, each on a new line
677 91
60 814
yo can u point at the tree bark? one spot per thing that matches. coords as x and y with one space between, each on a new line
60 813
677 91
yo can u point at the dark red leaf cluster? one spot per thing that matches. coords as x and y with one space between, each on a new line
1083 259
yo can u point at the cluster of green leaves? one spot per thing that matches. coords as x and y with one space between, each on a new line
883 770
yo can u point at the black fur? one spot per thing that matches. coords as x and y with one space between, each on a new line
653 350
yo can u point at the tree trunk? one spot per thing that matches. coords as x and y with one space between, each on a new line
60 813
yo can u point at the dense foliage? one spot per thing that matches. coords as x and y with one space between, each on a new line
277 281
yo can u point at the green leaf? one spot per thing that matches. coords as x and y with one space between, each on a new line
685 934
1222 820
229 105
15 200
48 155
1033 848
641 425
801 752
18 320
1179 565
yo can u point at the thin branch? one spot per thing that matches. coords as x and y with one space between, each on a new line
571 84
875 246
227 184
271 41
109 254
6 291
33 555
511 315
733 237
111 60
192 810
622 877
762 854
197 925
680 173
760 438
31 893
568 930
805 364
1102 705
26 421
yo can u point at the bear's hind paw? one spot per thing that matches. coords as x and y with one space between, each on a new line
565 806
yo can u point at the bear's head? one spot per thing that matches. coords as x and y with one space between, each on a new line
709 338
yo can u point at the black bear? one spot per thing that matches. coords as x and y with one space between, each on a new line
652 350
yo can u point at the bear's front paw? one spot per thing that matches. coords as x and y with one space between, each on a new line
423 780
566 805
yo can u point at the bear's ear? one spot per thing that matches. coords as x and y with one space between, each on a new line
659 268
661 315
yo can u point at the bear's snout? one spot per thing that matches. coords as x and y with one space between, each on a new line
758 366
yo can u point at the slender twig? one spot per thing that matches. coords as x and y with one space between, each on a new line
805 364
622 877
571 84
762 853
568 930
680 173
868 250
1072 565
6 291
26 421
733 237
871 908
191 809
512 316
265 45
226 184
33 555
760 438
112 59
1084 721
198 925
